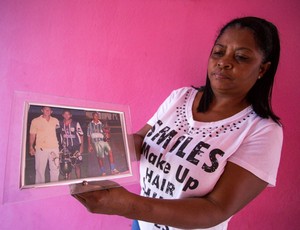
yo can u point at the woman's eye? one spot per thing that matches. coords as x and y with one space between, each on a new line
241 58
217 53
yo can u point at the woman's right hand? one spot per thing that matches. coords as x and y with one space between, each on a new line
139 138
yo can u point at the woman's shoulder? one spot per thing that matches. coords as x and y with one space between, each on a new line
183 91
179 94
265 125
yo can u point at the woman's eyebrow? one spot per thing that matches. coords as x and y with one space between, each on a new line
218 44
237 49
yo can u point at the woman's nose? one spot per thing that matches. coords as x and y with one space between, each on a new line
224 63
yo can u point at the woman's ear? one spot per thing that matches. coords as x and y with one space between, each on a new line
264 68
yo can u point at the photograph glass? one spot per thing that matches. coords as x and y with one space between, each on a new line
67 145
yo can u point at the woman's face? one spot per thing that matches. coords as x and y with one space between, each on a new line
235 63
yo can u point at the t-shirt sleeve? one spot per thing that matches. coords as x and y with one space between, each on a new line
56 123
260 152
165 106
33 127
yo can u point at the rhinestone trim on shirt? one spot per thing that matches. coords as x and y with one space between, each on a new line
183 124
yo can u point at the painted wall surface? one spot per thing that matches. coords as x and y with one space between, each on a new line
136 52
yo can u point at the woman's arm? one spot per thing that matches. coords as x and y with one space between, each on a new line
235 189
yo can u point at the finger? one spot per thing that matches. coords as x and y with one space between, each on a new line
80 199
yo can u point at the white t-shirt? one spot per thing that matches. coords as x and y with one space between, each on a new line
182 157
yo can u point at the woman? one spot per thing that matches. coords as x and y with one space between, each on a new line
208 152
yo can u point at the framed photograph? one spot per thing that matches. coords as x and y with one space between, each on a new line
55 143
67 145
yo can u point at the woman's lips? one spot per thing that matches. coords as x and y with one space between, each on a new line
220 76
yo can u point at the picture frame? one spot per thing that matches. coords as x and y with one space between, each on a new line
115 149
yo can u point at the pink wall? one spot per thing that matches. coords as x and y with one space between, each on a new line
135 52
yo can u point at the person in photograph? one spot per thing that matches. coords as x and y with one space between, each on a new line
43 144
70 137
208 151
98 141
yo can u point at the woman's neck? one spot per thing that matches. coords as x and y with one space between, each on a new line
220 108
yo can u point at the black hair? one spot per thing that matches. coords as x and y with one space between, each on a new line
67 111
46 106
267 39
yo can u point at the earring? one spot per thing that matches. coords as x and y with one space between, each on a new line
259 77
